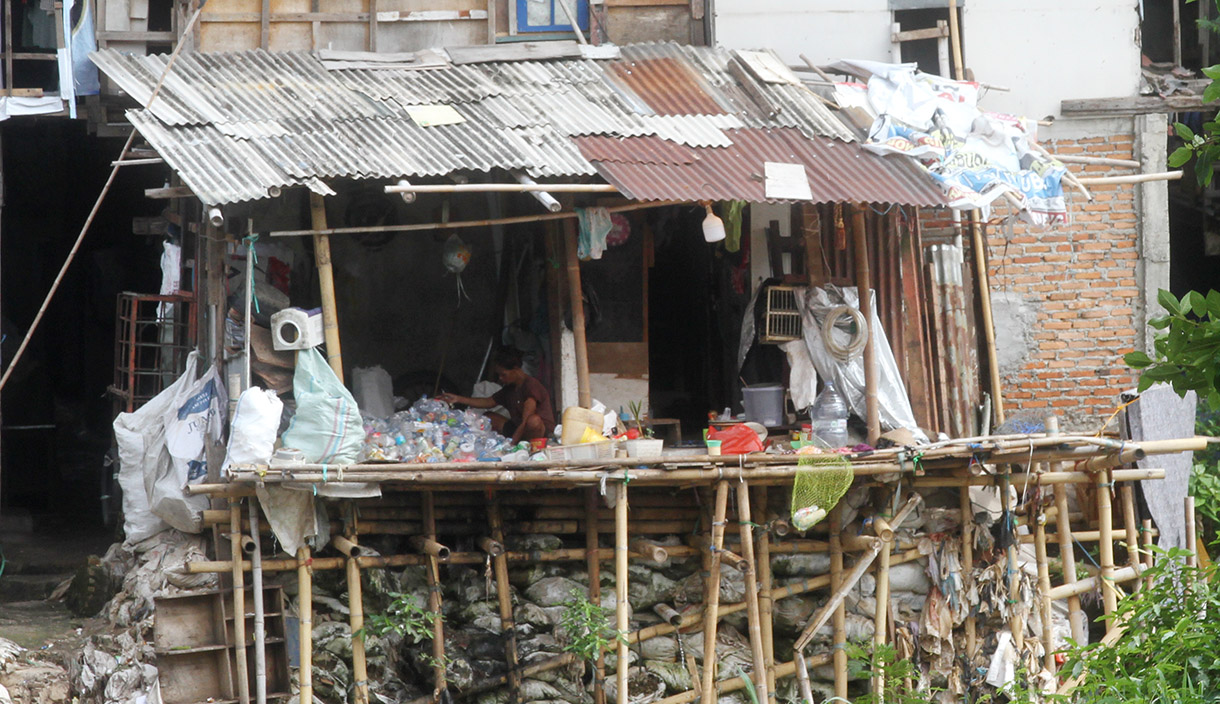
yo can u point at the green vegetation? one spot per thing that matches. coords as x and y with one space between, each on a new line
586 627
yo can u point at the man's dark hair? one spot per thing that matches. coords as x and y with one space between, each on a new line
508 358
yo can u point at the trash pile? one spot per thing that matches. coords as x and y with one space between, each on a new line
431 431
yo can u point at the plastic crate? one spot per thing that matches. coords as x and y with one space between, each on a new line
583 451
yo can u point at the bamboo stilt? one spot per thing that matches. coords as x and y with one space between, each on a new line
863 288
1088 584
239 602
504 597
305 614
355 605
711 591
577 308
840 593
802 677
752 607
1192 542
326 282
882 596
1127 493
840 614
434 601
982 279
735 683
620 589
1106 546
1016 623
1148 558
1067 550
967 512
1044 596
765 585
594 567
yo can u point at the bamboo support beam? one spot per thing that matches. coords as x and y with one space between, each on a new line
711 593
355 605
1106 546
1044 594
1088 584
1096 160
577 308
840 614
1130 521
503 188
491 546
840 593
872 405
982 279
649 550
765 585
1133 178
967 546
1192 542
239 603
508 629
753 619
429 546
735 683
305 614
1147 527
620 589
326 281
1067 550
593 561
434 602
1016 623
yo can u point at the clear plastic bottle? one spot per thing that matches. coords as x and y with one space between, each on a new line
828 417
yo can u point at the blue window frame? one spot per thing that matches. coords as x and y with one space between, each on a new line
547 16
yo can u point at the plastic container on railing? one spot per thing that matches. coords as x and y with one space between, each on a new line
764 403
828 417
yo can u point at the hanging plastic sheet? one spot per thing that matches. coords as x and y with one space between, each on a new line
848 376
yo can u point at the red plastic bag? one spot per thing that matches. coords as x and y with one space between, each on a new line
736 439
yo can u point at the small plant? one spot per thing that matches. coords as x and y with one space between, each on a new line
586 627
404 617
1187 353
899 675
640 418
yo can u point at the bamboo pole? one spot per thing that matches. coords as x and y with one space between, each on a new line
649 550
840 614
503 188
882 595
983 280
1106 547
1067 551
1098 160
326 281
1044 589
1133 178
753 618
620 588
305 614
239 603
840 593
1127 494
864 291
577 307
504 597
434 602
593 559
735 683
355 605
711 591
1192 542
429 546
260 624
955 41
1016 623
1088 584
966 507
802 677
765 585
1147 528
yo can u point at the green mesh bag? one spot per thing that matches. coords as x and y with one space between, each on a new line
821 480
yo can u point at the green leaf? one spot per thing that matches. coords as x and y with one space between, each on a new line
1137 359
1212 72
1180 156
1184 132
1211 92
1168 302
1197 302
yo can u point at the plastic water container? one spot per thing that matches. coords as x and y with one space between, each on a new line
764 403
828 417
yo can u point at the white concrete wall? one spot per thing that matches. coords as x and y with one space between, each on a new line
1044 50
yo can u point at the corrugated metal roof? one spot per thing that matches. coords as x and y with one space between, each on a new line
646 168
238 125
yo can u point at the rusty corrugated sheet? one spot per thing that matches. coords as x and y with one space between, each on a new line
645 168
669 86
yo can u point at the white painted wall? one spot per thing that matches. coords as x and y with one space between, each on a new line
1046 51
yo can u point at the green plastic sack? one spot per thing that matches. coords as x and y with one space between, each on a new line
327 427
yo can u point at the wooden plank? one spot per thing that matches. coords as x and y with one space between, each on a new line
431 15
1134 105
914 35
138 9
492 21
648 3
264 25
171 192
8 47
137 36
521 51
32 56
373 15
626 359
286 17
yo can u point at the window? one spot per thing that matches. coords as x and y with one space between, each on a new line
548 16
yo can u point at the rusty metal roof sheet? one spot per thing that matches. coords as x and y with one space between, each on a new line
647 168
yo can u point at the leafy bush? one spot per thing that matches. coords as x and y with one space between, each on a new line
586 627
1187 353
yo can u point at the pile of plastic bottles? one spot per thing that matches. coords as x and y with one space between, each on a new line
431 431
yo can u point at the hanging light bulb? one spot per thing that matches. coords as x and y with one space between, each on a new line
713 227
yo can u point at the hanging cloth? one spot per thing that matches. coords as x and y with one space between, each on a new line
595 224
733 211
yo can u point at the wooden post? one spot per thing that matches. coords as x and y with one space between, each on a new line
983 279
967 511
1044 589
711 592
620 585
1127 494
326 282
840 614
594 567
553 239
305 614
239 602
1067 550
1105 547
576 302
355 605
863 289
955 39
765 583
434 600
504 597
753 619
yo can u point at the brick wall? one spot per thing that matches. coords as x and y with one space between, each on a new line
1075 288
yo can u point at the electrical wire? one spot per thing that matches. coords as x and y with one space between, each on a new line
855 345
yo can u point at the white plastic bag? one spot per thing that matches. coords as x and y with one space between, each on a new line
374 391
256 423
327 427
197 415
